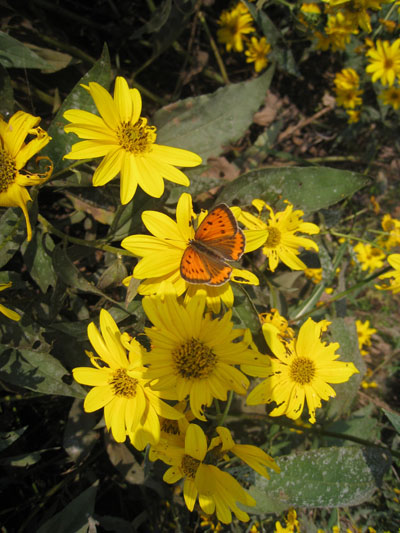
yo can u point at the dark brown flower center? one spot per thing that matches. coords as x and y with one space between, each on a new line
302 370
8 170
189 466
122 384
194 360
274 237
136 138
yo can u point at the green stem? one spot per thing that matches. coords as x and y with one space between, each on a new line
214 48
99 245
221 418
352 238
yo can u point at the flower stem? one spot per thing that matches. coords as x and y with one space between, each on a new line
214 48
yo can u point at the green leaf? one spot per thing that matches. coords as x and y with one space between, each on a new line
13 233
74 518
37 258
8 437
207 124
394 418
14 54
344 332
37 371
361 424
328 477
78 98
79 435
308 188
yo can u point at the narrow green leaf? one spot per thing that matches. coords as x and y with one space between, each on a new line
8 437
13 233
14 54
74 518
394 418
308 188
37 258
207 124
37 371
78 98
328 477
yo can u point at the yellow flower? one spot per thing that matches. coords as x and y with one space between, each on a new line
384 61
162 255
391 97
14 154
392 228
394 285
310 8
194 356
257 52
370 257
301 371
127 143
292 524
234 25
120 386
277 235
253 456
5 310
217 491
337 33
354 115
347 92
364 333
280 322
314 274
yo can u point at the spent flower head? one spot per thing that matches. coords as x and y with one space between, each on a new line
14 154
128 144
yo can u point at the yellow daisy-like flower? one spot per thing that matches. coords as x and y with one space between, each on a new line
348 99
277 236
14 154
127 143
370 257
364 333
384 61
257 52
253 456
292 524
354 115
314 274
194 356
217 491
346 80
394 284
301 371
234 26
120 386
391 96
338 32
277 320
162 254
392 228
310 7
5 310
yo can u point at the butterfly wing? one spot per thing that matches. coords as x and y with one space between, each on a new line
192 267
219 232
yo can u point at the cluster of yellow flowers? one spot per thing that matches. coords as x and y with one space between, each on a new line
235 26
185 274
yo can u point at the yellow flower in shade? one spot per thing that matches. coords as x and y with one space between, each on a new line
346 88
194 356
292 524
14 154
277 320
391 226
310 7
216 491
253 456
127 143
5 310
364 333
162 254
277 236
234 26
384 61
354 116
314 274
120 386
391 97
394 284
257 52
370 257
338 32
301 371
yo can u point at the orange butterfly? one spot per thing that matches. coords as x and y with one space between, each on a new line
217 240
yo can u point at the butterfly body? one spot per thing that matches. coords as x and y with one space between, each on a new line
217 240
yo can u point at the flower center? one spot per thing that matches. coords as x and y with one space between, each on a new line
189 466
194 360
169 426
8 170
136 138
123 385
274 238
302 370
388 63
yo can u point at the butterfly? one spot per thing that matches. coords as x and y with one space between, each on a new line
217 240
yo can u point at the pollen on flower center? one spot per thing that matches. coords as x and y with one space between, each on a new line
274 238
388 63
189 466
302 370
194 360
122 384
8 170
136 138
